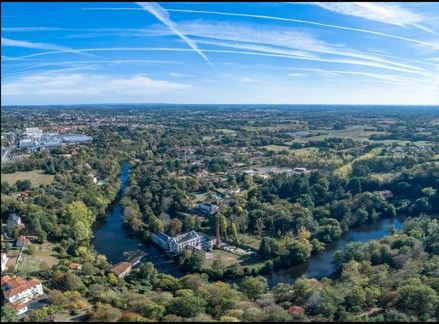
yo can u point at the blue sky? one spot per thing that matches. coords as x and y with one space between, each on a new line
188 52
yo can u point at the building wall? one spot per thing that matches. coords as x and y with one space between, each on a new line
26 295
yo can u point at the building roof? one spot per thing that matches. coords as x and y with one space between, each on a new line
16 306
74 266
296 310
5 279
23 239
119 268
21 287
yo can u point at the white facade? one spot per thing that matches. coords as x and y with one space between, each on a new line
190 240
4 261
26 295
208 208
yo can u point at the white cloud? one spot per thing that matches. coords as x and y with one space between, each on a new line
25 44
7 42
248 80
285 38
315 23
383 12
85 88
377 76
161 14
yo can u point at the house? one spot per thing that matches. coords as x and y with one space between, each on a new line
4 261
19 290
19 308
207 208
16 220
75 266
22 241
296 310
385 194
189 240
121 269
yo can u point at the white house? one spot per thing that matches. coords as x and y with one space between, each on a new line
19 308
207 208
16 220
18 290
4 261
189 240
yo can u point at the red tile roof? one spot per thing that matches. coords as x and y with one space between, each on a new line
5 279
17 306
18 289
296 310
119 268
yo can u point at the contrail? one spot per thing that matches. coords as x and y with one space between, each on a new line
161 14
435 46
319 59
305 22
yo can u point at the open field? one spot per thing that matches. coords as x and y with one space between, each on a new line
249 240
356 132
345 170
227 131
227 258
43 258
37 177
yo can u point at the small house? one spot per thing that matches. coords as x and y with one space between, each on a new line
121 269
22 241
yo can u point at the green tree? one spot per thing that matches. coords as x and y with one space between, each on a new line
254 287
8 314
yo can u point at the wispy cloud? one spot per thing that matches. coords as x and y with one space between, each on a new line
378 76
382 12
300 21
282 38
34 45
86 88
161 14
252 49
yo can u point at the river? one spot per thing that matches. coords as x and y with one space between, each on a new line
112 240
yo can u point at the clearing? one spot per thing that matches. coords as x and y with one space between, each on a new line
37 177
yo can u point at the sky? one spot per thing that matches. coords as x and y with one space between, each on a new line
213 53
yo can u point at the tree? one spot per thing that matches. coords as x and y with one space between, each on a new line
416 298
189 223
254 287
23 185
234 232
175 226
80 219
218 267
68 281
186 304
105 313
8 314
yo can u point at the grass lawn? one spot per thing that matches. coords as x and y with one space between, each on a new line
227 131
277 148
42 258
207 138
386 177
37 177
249 240
230 259
345 170
227 258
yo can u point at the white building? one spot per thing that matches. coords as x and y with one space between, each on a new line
4 261
189 240
33 131
207 208
18 290
16 220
